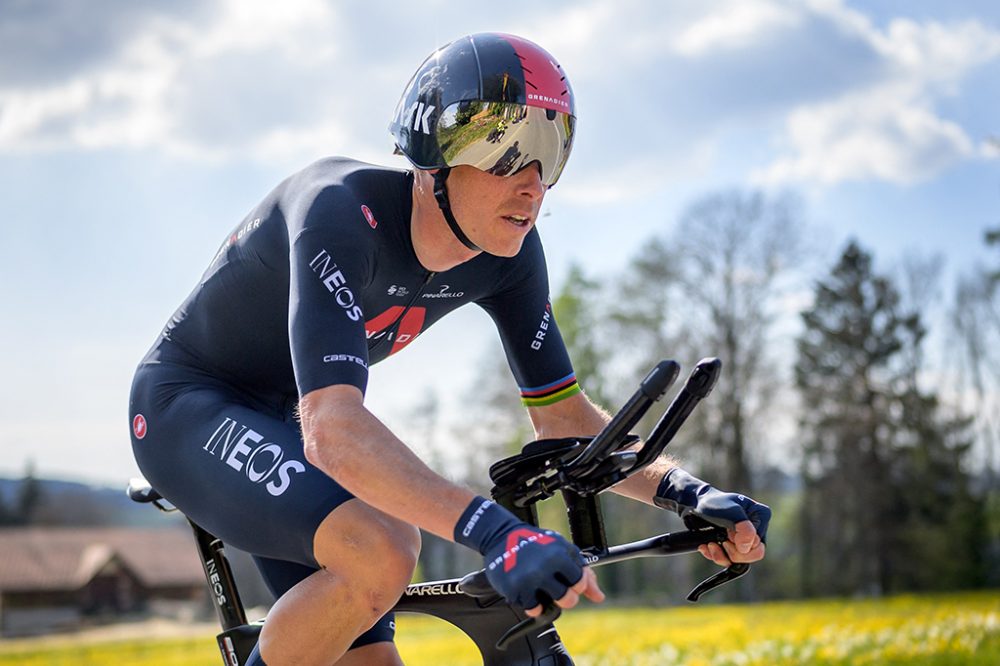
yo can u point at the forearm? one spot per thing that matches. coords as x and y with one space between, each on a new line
642 486
578 416
359 452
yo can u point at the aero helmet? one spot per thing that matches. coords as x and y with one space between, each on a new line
488 100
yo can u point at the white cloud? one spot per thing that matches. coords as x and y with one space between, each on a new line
888 129
734 26
133 102
613 183
864 136
840 97
990 148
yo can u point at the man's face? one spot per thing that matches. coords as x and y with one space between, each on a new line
496 212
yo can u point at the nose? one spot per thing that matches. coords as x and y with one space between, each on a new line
528 182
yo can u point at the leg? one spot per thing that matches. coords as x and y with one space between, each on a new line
373 648
235 466
374 654
368 559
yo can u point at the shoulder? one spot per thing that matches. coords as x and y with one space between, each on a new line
530 261
341 191
513 277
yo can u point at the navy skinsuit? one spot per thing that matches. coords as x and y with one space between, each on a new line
319 281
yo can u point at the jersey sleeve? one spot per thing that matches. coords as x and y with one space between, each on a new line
531 340
328 267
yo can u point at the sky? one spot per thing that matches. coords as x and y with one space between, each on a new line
135 134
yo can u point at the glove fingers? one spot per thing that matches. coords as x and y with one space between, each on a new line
571 577
760 517
718 519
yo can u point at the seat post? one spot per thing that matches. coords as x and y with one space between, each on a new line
220 578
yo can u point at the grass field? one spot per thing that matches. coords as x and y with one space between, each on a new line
939 630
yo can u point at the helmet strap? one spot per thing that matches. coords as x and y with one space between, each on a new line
441 194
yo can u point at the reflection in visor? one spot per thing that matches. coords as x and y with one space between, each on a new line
502 138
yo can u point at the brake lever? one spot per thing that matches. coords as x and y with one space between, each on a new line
550 613
727 575
477 585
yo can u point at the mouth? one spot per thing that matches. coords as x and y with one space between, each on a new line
518 220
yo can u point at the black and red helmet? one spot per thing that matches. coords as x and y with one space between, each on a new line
488 100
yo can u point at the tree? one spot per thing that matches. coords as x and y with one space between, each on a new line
712 288
578 308
975 320
880 464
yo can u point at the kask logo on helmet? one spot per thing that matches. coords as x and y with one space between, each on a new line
418 114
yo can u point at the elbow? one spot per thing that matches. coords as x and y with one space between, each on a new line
327 440
325 444
312 448
328 418
332 421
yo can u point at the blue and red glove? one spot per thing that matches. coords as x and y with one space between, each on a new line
686 494
527 565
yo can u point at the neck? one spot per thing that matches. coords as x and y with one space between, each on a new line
436 246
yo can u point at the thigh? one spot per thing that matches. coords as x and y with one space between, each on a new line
233 469
281 576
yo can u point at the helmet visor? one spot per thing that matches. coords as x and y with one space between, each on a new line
502 138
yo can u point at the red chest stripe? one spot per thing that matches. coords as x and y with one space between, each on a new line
409 327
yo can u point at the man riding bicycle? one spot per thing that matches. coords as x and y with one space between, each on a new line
248 412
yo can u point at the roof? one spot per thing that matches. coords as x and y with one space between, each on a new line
54 558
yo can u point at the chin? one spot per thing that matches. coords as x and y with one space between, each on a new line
507 250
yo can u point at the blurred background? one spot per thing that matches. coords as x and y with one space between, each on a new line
807 190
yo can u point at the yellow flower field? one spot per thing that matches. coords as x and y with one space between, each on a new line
941 629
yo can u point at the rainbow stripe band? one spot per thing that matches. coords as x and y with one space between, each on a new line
548 394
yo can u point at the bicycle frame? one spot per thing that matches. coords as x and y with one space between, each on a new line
579 468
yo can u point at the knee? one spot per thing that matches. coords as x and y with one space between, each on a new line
372 552
398 549
393 559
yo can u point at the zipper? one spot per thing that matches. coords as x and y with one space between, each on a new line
389 333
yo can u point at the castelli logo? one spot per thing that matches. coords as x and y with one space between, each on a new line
139 426
367 212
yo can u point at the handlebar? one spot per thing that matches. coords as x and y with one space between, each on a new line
583 467
612 437
477 585
588 466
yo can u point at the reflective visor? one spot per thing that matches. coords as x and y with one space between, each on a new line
502 138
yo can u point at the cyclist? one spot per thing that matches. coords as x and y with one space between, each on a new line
248 412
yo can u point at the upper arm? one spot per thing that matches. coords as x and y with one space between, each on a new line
531 339
328 268
576 416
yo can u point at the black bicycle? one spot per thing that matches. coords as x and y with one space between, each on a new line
579 469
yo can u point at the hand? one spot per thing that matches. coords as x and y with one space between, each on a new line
744 545
527 565
586 586
530 566
745 519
